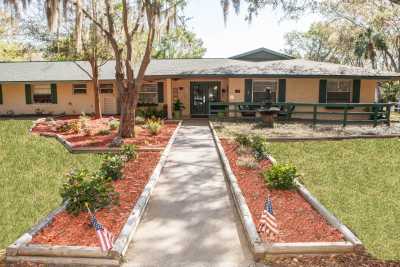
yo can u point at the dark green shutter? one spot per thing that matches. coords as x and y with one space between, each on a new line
356 91
28 94
54 93
322 91
1 95
160 87
282 91
248 90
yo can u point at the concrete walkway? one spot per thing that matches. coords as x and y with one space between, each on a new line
190 220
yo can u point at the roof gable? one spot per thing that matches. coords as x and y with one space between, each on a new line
261 54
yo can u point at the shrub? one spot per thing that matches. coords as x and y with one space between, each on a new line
139 120
84 124
150 113
247 162
82 188
281 176
75 126
243 139
113 125
63 127
129 152
153 126
111 168
243 150
103 132
259 145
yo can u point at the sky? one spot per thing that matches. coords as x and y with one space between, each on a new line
238 36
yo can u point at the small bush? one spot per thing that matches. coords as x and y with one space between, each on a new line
113 125
75 126
139 120
103 132
154 126
248 162
111 168
63 127
129 152
82 188
281 176
243 150
243 139
259 145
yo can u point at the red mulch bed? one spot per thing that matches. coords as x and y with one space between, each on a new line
76 231
297 220
143 137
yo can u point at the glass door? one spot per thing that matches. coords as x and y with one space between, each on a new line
201 93
199 103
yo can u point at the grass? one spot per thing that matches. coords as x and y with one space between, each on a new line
357 180
32 169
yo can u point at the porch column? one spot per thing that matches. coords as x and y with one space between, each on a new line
169 98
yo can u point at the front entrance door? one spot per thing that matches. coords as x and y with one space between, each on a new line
201 93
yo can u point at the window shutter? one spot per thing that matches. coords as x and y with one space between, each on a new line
1 95
54 93
248 90
160 87
282 91
356 91
28 94
322 91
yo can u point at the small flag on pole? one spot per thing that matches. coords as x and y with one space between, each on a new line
268 221
106 238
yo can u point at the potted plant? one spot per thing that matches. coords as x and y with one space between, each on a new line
178 107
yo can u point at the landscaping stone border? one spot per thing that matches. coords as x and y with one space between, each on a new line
260 248
22 251
96 150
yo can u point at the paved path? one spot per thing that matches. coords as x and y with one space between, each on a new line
190 220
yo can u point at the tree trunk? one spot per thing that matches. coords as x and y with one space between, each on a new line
95 81
78 27
128 113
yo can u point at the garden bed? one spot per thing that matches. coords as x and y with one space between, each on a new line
62 238
99 134
295 131
305 225
64 227
297 219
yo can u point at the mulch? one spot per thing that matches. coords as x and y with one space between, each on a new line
361 259
297 220
72 230
81 140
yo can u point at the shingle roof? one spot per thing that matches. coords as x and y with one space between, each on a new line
261 54
178 68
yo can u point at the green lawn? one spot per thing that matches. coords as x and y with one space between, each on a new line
31 171
359 181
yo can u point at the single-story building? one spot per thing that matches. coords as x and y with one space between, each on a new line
64 87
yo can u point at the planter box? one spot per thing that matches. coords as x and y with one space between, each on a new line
22 251
261 248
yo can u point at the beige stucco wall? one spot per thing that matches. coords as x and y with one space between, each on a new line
297 90
67 102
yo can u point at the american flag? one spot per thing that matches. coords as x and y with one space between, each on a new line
268 221
105 237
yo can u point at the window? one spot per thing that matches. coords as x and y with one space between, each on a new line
214 93
339 91
41 94
79 89
264 91
149 94
106 88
